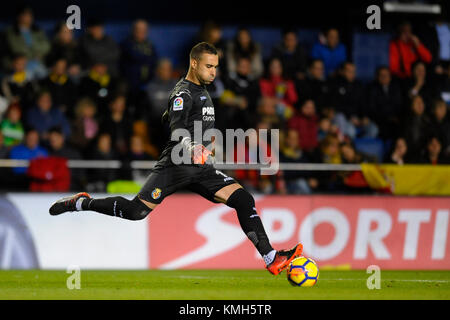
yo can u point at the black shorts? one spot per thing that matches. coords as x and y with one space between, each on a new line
203 180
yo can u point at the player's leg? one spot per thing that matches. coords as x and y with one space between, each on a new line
135 209
235 196
160 183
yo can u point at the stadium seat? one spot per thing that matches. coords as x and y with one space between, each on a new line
370 146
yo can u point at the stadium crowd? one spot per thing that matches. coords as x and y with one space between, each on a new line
93 98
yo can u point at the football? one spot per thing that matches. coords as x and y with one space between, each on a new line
303 272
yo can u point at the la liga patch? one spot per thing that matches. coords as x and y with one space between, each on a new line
178 104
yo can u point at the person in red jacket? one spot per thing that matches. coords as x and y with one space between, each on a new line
405 50
307 125
276 85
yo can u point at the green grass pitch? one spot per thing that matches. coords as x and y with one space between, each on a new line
220 284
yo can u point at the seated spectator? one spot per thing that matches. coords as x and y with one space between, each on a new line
326 127
97 47
306 123
85 126
292 55
339 124
415 126
274 84
99 178
330 151
267 112
29 149
11 126
385 101
331 52
18 86
347 95
399 154
25 38
433 153
240 96
243 46
61 87
64 46
137 150
140 129
44 116
159 89
314 86
419 84
211 32
296 182
98 85
59 148
404 50
440 125
138 56
118 125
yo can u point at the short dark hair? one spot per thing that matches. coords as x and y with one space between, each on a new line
200 48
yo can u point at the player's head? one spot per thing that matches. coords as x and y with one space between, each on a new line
204 61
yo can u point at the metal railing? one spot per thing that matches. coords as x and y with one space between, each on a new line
117 164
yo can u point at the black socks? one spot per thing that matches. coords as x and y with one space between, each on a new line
251 224
118 206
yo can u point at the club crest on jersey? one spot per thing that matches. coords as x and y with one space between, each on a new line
156 193
178 104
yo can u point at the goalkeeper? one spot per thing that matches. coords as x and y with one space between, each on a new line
189 101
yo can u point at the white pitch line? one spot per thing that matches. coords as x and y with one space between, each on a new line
321 279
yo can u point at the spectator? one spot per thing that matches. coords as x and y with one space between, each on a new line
25 38
44 116
314 86
267 112
85 126
341 127
331 52
11 127
64 46
297 182
385 101
137 150
99 85
326 127
306 123
98 178
18 86
240 96
399 154
243 46
419 84
433 154
138 56
61 87
292 55
118 125
347 95
59 148
211 32
274 84
405 50
28 150
97 47
158 90
440 125
330 151
415 126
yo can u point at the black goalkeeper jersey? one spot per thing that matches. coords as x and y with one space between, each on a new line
188 102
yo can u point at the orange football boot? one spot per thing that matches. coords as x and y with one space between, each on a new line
283 258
